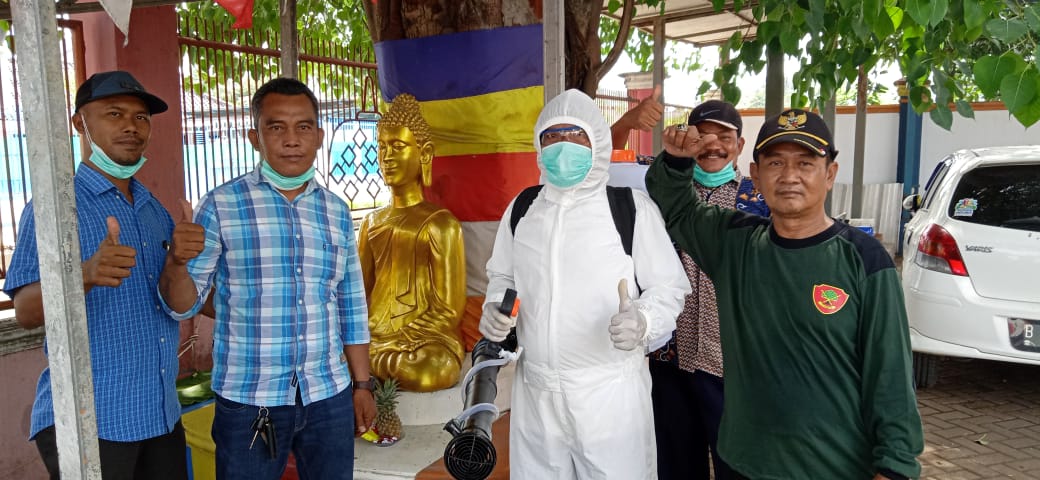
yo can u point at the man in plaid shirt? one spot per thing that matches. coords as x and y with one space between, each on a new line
277 251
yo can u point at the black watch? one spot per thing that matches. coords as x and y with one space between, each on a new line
369 385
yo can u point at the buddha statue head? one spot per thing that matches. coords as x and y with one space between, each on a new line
405 144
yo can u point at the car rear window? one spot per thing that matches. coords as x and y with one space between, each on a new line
1001 196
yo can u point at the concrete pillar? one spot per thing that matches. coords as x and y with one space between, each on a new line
153 57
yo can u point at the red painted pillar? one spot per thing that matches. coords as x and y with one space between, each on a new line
153 57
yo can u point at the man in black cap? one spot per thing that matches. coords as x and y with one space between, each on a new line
133 342
814 330
687 372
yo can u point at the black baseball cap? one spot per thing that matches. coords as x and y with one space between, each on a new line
797 126
717 111
117 82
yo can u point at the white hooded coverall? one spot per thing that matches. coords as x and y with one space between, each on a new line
581 407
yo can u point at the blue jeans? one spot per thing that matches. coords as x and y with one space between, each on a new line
320 436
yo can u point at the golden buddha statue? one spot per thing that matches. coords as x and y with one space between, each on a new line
413 262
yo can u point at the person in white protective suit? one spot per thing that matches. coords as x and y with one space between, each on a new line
581 395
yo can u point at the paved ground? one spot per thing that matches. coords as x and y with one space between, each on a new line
982 421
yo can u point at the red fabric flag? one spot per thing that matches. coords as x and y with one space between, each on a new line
242 10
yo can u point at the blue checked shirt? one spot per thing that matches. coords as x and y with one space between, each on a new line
133 342
288 291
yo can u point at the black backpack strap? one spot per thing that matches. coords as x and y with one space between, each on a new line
521 204
623 209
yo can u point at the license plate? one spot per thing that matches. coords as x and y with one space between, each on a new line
1024 334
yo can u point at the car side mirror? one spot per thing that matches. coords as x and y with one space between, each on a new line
912 202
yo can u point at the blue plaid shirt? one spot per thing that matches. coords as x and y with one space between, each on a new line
288 291
133 342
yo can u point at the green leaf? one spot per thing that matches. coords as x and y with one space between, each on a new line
990 71
1019 90
974 14
768 30
883 26
862 30
613 5
964 109
815 18
705 86
789 41
1028 114
942 116
868 11
920 10
940 7
895 14
731 93
1032 15
920 96
1007 31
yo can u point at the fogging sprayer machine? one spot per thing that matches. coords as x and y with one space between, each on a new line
470 455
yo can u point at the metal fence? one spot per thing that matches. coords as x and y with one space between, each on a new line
14 172
614 104
222 70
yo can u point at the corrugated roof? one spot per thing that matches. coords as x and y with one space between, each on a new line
695 21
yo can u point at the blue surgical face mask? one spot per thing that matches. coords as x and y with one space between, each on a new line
101 159
714 179
281 181
566 163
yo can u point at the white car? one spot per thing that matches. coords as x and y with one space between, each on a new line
971 260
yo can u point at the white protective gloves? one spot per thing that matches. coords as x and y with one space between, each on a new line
627 327
495 325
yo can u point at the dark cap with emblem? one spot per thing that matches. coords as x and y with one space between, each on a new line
717 111
117 82
796 126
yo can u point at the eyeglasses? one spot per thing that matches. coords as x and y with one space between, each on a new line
554 135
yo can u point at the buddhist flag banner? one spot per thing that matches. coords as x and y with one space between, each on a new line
481 92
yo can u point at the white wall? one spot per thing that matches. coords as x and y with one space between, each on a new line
989 128
880 154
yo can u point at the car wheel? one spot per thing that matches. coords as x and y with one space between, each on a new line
926 370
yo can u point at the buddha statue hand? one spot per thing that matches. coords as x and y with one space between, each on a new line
495 325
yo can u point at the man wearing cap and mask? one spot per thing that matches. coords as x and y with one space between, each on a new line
133 343
588 311
687 372
814 331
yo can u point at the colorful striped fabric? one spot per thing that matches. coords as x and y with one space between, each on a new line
481 92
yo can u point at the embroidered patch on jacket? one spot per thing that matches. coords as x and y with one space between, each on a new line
828 299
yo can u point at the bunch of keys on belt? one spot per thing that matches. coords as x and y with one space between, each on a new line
264 427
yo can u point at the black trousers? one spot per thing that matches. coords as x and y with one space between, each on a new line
687 412
159 458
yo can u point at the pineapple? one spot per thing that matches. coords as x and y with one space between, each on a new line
388 424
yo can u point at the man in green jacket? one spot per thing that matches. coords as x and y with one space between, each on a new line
818 370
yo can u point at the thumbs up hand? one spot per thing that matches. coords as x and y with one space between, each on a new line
189 238
628 326
111 263
647 113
